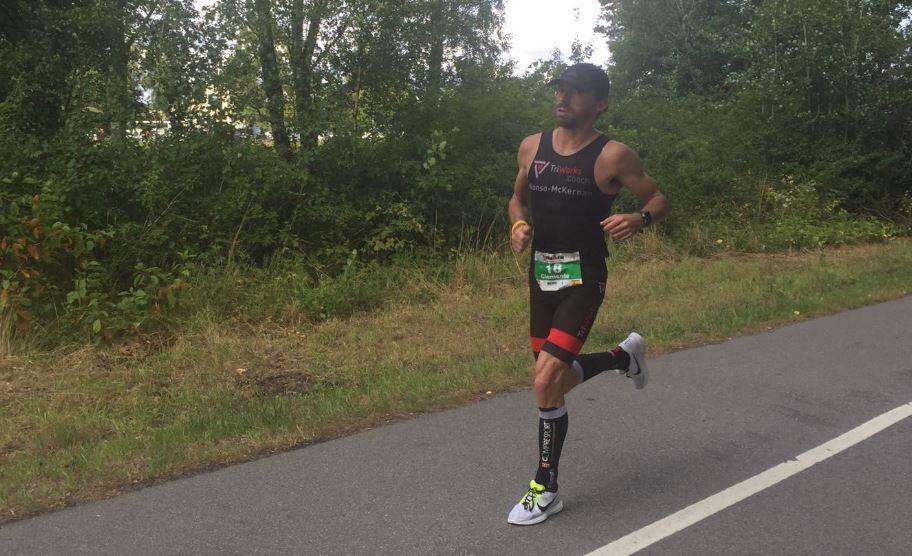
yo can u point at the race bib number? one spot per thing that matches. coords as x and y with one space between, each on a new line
556 271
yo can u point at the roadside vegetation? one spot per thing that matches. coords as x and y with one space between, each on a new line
147 144
252 374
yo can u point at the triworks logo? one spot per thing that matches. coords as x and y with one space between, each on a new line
569 170
539 167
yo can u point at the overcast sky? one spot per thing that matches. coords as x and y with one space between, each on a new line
539 26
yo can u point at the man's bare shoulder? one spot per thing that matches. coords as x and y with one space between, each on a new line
528 148
617 159
530 142
617 153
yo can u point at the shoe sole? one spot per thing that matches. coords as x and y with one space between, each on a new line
643 374
552 509
644 371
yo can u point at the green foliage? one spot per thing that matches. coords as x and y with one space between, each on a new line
356 289
39 254
52 268
744 91
784 216
132 139
685 47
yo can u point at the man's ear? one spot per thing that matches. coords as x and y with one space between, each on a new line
602 105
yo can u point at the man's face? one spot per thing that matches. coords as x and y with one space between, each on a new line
573 107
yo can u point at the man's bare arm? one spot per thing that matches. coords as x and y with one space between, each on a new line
518 207
623 166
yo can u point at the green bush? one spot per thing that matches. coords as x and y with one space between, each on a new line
793 214
52 268
40 255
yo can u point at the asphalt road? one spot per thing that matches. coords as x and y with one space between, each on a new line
443 483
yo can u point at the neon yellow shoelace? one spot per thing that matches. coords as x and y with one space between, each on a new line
532 495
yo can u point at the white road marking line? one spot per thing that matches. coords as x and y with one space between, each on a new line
653 533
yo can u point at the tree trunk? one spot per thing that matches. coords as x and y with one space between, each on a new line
435 58
120 93
272 85
302 52
357 99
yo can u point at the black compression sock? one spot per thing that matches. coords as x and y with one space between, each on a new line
590 364
552 430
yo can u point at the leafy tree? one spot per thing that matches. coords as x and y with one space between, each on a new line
174 63
689 47
826 80
822 84
272 84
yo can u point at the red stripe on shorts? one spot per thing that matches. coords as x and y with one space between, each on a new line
565 341
537 343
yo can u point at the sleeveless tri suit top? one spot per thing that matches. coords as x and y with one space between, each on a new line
566 203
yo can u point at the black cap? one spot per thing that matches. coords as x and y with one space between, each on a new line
584 77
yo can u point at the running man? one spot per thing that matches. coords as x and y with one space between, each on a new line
570 177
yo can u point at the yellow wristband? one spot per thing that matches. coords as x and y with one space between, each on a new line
517 223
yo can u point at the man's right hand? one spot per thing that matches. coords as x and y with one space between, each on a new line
520 238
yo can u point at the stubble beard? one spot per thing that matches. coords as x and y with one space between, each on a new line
566 121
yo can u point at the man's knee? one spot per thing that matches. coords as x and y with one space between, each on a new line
544 386
547 379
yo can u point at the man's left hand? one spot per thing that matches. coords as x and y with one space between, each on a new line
622 226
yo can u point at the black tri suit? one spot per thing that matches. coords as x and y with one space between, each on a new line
568 272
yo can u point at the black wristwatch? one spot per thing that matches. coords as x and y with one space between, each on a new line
647 217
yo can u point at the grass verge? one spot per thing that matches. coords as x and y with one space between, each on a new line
82 423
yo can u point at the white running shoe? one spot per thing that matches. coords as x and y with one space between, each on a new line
535 506
635 346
